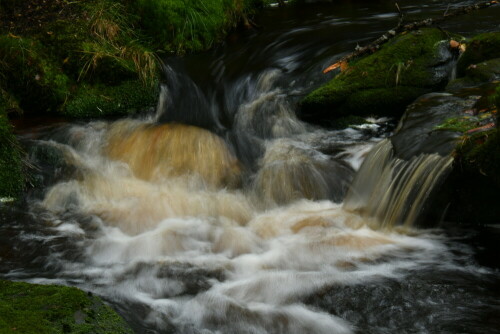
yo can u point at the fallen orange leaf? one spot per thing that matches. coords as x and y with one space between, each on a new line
342 64
331 67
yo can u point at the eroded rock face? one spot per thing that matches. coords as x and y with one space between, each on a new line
385 82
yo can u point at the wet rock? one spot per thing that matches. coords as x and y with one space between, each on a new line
476 74
480 48
419 132
290 171
51 162
385 82
462 124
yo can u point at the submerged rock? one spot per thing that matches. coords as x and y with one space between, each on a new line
385 82
32 308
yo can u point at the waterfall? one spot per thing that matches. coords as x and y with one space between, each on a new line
391 190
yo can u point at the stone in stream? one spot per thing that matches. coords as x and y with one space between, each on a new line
476 74
480 62
463 125
385 82
479 49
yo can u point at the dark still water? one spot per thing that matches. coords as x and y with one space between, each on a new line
222 212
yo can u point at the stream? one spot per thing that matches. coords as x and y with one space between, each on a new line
222 212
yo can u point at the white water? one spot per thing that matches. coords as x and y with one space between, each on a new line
200 255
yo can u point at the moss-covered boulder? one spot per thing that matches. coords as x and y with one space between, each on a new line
473 187
476 74
32 308
11 168
471 192
385 82
480 48
31 74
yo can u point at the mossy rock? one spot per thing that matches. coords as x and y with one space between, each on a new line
32 308
100 100
386 81
480 48
474 184
482 72
482 153
11 168
31 74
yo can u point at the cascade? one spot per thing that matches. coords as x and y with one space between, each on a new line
391 190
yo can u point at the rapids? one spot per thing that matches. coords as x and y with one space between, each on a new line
222 212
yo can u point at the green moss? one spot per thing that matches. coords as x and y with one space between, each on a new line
480 48
481 153
31 74
8 103
100 100
458 124
401 70
11 171
477 74
93 44
31 308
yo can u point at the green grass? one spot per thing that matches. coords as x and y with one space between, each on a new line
181 26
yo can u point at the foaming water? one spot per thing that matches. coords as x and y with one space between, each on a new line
179 248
